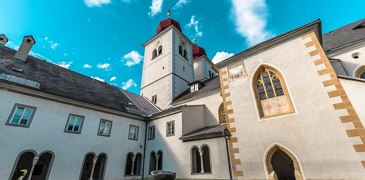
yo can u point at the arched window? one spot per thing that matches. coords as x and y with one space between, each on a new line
195 160
133 164
200 160
156 160
159 159
183 52
154 54
206 159
129 164
222 114
87 166
152 161
99 168
137 166
24 162
271 93
30 166
159 50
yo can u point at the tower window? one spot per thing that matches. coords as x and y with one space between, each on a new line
156 52
183 52
154 99
183 68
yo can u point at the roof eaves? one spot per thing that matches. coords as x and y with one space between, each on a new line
315 25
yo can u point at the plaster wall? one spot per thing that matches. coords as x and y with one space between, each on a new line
177 155
314 133
46 132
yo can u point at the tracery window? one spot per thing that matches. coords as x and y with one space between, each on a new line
200 160
271 93
268 85
221 114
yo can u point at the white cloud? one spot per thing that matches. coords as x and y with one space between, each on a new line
132 58
96 3
180 3
113 78
87 66
155 7
194 24
105 66
97 78
52 44
250 20
64 64
128 84
220 56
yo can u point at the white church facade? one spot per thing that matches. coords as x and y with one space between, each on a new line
291 107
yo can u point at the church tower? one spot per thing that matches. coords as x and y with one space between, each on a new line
168 64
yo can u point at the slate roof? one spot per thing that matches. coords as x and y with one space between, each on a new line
143 104
208 132
345 35
209 86
339 67
59 81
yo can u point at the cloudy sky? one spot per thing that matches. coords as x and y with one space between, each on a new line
103 38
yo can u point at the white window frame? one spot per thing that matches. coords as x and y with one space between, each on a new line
10 121
105 131
136 134
151 132
77 117
170 128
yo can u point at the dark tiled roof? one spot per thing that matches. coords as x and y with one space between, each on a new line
208 132
142 103
209 85
63 82
344 36
339 67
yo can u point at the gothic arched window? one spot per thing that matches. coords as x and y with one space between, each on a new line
271 93
221 114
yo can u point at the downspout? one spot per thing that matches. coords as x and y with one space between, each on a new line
144 150
228 155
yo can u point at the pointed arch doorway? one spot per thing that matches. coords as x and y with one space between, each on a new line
282 165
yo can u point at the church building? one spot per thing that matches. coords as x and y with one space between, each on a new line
291 107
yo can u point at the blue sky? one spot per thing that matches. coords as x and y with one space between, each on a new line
103 38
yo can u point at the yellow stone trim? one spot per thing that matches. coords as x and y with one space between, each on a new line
238 173
234 151
233 139
339 91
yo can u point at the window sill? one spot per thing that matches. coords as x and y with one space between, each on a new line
277 115
71 132
207 173
18 125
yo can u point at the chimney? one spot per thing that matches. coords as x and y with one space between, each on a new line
3 39
25 47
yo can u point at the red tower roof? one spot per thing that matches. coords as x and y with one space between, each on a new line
167 23
198 51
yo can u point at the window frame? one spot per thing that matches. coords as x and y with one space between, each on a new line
168 129
81 124
110 129
284 88
12 113
135 126
149 131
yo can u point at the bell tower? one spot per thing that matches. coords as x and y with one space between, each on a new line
168 64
